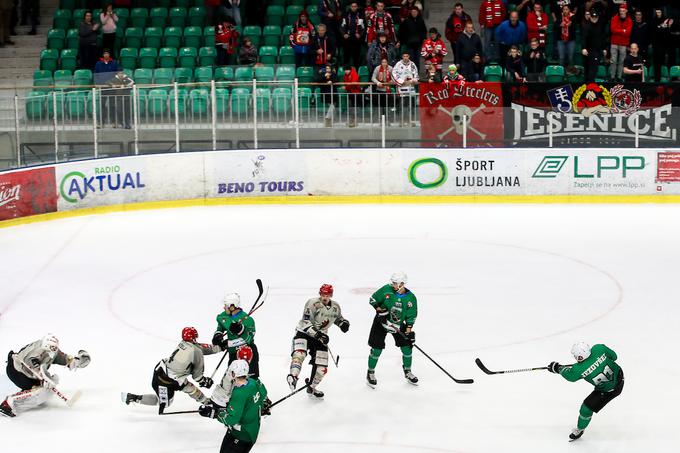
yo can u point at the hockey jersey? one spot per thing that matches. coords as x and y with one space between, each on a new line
319 317
599 369
380 22
187 360
491 13
34 360
434 51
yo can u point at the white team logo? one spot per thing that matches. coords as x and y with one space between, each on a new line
461 116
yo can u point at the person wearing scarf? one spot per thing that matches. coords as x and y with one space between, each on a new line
565 29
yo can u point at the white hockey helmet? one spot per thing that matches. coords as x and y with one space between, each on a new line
50 343
238 368
232 299
580 351
398 277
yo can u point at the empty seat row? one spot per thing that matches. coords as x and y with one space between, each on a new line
136 17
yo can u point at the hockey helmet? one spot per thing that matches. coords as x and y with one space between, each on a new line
245 352
580 351
189 334
398 277
238 368
326 290
232 299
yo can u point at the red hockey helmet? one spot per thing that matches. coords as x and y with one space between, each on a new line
326 290
245 352
189 334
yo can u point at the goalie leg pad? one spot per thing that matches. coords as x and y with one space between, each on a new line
28 399
299 344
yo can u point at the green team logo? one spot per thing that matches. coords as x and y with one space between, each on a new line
550 166
416 164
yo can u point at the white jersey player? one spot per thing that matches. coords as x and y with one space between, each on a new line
173 373
29 368
311 335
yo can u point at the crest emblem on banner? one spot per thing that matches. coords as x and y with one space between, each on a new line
625 101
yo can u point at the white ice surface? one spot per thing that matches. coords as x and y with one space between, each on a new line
513 285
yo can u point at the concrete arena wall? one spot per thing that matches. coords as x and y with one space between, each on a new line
342 175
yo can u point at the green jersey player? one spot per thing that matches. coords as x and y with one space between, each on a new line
235 329
597 366
396 309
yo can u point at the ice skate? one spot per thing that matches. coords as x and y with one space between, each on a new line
314 393
575 434
130 398
292 381
6 410
410 377
370 379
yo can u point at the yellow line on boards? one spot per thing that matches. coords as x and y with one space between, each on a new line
351 199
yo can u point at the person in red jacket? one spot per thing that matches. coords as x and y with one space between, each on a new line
226 41
380 21
537 25
455 24
434 49
301 37
621 28
491 14
353 89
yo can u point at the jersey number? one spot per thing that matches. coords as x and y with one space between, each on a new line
606 376
256 397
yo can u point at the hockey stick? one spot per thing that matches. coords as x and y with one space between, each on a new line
335 359
179 412
70 401
457 381
522 370
289 395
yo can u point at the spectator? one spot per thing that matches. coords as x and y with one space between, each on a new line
384 83
352 28
324 46
381 48
430 74
594 43
301 39
327 76
514 66
87 44
121 87
405 74
565 36
224 9
412 33
330 14
511 32
453 77
661 40
5 22
105 69
474 71
368 10
433 49
109 20
468 45
226 41
380 21
640 35
491 15
621 27
535 61
556 7
247 54
104 65
353 89
633 65
537 25
455 24
394 8
33 13
406 6
524 8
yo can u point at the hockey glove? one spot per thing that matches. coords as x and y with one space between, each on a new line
206 382
236 328
322 337
381 311
554 367
266 407
208 410
411 337
344 325
218 339
81 360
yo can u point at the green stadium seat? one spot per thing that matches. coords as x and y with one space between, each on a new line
304 98
209 36
364 75
305 74
76 104
243 74
128 58
601 75
554 74
183 3
133 37
177 17
63 78
142 98
158 16
173 37
69 59
312 10
268 55
578 76
187 57
167 57
197 16
67 4
221 100
82 77
157 103
59 97
203 74
199 100
88 103
286 34
264 73
193 37
138 17
153 37
493 73
97 15
275 15
271 35
182 96
62 19
254 32
72 38
147 57
286 55
143 76
162 76
222 74
184 75
240 100
264 99
674 73
285 73
207 56
281 100
123 18
56 38
665 74
42 78
77 17
49 59
293 12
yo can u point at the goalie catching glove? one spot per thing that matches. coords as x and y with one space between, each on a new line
81 360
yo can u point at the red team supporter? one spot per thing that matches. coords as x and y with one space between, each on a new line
491 14
537 25
226 41
380 21
301 40
434 49
621 27
456 24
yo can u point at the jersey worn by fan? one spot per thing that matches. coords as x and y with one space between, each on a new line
319 317
224 320
243 412
402 308
599 369
38 359
187 360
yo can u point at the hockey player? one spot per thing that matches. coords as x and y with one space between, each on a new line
311 334
597 366
222 393
172 374
242 416
235 329
396 311
28 370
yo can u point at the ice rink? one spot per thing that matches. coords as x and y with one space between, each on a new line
515 285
